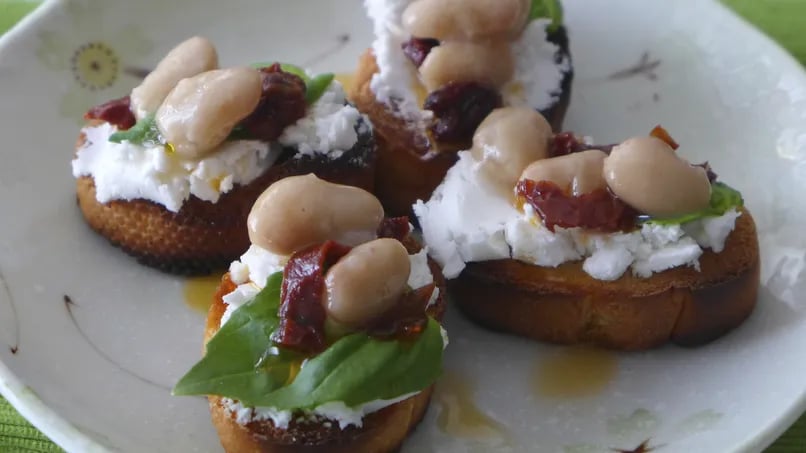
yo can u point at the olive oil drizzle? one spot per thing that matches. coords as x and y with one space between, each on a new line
575 372
459 416
346 79
198 292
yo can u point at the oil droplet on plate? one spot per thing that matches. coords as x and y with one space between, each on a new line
459 416
700 421
640 423
575 372
199 292
346 80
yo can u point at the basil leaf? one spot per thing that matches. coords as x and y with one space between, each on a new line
297 71
144 131
239 356
723 198
547 9
358 369
242 363
317 86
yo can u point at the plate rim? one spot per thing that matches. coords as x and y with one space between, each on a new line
21 397
69 437
776 427
43 417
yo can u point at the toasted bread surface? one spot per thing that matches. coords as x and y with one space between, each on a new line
408 167
205 236
565 305
381 432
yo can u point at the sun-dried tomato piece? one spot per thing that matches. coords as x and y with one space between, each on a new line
281 104
407 319
116 112
416 49
302 315
712 176
661 133
598 210
459 108
565 143
394 227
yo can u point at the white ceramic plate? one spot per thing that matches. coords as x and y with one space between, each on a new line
94 375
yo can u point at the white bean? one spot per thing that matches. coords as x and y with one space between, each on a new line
466 19
507 141
366 282
191 57
300 211
453 61
201 111
576 173
648 175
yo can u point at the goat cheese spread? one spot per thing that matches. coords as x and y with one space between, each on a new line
466 220
128 171
536 83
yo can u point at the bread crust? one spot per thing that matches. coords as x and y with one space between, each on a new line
567 306
382 431
408 170
203 236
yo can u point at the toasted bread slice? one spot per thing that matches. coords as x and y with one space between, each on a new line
565 305
408 170
381 432
205 236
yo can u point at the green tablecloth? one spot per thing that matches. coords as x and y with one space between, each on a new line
784 20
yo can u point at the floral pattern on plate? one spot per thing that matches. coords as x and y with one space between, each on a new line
94 62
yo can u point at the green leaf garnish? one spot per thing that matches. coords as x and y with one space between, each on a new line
144 131
238 356
297 71
358 369
723 198
242 363
547 9
314 86
317 86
